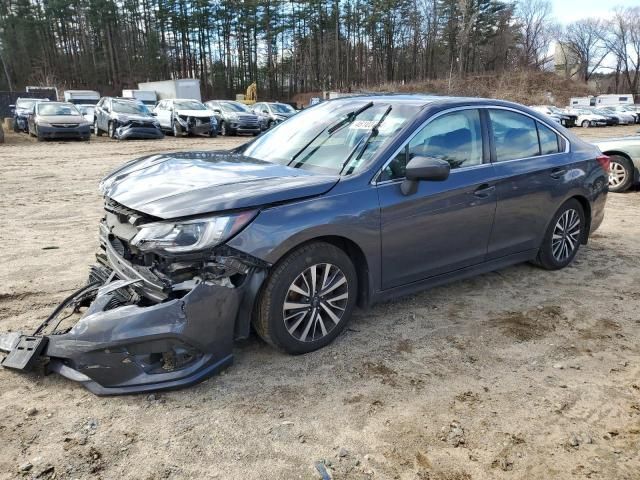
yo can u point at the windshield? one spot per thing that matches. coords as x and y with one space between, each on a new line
125 106
282 108
189 105
27 103
57 109
234 107
310 139
555 110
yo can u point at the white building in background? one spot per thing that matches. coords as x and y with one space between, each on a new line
566 60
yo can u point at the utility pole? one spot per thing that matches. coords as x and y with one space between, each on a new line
4 65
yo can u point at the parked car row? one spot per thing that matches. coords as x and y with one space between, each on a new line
589 116
121 118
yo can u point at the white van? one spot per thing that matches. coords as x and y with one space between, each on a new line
148 97
82 97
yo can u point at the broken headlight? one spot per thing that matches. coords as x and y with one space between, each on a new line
190 235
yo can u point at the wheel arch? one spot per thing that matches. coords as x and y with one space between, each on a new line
586 208
355 253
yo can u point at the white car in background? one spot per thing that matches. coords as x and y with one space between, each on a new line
88 112
588 119
624 166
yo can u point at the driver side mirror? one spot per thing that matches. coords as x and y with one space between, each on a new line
153 114
217 110
265 111
424 168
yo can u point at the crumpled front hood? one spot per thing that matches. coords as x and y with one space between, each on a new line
176 185
125 117
195 113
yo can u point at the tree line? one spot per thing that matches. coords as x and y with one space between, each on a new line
286 46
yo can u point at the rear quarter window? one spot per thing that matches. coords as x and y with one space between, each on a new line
549 141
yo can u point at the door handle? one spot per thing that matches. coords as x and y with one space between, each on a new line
557 173
484 190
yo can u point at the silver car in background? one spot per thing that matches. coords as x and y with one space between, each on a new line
58 120
624 169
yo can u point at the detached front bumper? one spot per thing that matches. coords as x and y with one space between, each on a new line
137 344
131 131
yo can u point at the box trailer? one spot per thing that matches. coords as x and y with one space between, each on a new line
148 97
614 99
582 102
82 97
168 89
49 92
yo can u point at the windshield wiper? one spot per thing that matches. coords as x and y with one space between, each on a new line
364 141
350 117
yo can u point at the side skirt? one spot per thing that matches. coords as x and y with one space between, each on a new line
460 274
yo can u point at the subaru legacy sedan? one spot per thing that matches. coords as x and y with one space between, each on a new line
348 203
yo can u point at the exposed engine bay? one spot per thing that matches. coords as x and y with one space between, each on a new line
145 320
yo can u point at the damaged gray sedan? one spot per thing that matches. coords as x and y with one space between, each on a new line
350 202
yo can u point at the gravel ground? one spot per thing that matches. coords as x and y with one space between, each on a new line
516 374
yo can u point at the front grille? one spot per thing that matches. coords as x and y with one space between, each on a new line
126 214
141 124
249 122
64 125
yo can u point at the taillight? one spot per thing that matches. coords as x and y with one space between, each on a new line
604 162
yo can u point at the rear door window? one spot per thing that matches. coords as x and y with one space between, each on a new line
515 135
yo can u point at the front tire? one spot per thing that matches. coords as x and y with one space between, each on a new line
223 129
176 129
39 136
96 130
620 174
308 299
563 236
112 130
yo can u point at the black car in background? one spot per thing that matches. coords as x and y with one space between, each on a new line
234 117
125 118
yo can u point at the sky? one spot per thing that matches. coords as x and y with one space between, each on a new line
566 11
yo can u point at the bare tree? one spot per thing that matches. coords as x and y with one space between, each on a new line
537 29
622 38
583 41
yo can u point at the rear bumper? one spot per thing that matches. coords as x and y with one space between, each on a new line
63 132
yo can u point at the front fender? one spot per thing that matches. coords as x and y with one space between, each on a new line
354 216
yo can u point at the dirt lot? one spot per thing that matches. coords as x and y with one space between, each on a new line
517 374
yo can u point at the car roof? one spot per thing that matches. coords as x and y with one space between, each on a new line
425 99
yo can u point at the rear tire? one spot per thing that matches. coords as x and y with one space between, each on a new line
307 300
562 239
620 174
585 124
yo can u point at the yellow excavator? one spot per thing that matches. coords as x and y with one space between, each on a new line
250 97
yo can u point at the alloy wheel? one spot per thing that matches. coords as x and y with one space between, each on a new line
315 302
566 235
617 174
